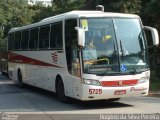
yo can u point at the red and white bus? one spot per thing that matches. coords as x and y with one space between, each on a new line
86 55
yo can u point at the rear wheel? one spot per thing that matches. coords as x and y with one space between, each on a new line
20 81
61 92
3 73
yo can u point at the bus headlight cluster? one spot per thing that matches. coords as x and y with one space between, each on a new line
144 79
91 82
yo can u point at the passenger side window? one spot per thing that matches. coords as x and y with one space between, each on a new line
44 37
17 40
25 38
71 46
33 41
11 41
56 35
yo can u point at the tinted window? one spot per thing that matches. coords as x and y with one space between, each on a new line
17 40
11 41
33 41
56 35
71 45
44 37
25 38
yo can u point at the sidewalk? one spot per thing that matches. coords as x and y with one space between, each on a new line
154 93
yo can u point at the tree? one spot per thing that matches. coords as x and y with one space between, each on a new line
151 16
125 6
58 7
14 14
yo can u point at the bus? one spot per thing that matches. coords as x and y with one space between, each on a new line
85 55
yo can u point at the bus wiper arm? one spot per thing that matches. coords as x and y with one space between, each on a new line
122 54
134 71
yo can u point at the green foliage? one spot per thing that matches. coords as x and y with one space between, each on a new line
40 12
14 14
153 7
68 4
127 6
150 15
58 7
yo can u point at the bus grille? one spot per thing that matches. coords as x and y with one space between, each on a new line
119 83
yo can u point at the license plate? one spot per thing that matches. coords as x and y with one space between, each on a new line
120 92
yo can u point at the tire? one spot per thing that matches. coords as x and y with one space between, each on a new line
3 73
20 81
61 92
114 99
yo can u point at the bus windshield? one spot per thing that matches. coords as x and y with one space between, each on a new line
114 46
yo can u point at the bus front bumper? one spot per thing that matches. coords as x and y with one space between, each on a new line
91 92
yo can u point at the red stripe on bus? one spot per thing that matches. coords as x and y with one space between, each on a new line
119 83
16 58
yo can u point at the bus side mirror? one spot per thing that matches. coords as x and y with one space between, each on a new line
154 34
81 36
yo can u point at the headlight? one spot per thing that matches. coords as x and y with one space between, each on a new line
144 79
91 82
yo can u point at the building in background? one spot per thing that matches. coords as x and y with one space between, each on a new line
44 2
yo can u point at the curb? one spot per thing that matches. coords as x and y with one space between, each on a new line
154 93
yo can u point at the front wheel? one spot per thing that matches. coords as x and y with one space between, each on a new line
61 92
114 99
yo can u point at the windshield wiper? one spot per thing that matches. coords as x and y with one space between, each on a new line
122 54
134 71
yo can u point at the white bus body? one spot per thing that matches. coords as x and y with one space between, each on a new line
84 79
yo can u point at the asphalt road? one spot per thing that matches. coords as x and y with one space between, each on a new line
32 102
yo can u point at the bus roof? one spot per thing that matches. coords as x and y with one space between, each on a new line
74 14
